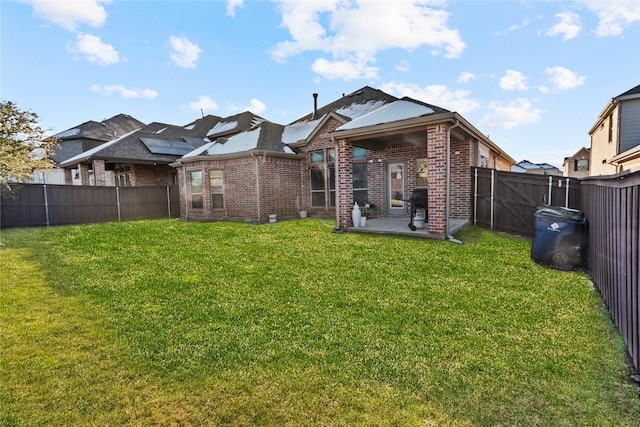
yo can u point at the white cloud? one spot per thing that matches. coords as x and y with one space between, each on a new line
615 15
204 103
354 32
439 95
255 106
232 5
184 53
515 27
466 77
347 69
94 49
511 114
569 26
563 78
403 66
125 92
70 14
513 80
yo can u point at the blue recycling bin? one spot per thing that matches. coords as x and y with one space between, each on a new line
560 238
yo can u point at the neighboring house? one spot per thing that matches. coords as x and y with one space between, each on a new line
577 166
78 139
367 146
142 157
615 137
526 166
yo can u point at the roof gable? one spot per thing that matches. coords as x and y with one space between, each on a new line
403 109
348 107
630 94
106 130
265 136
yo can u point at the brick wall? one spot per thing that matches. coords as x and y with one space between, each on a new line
254 188
142 174
461 161
436 160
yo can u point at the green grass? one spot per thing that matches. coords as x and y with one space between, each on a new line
187 323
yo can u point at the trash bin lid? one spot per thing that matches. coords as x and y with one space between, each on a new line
560 212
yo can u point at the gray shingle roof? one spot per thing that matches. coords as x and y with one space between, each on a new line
105 130
144 146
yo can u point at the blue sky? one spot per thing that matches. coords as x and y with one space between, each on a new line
532 75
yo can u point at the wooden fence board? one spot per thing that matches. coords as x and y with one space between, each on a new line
41 205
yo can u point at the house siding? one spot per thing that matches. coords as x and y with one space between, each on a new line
603 148
630 120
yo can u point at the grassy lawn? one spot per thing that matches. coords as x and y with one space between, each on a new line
185 323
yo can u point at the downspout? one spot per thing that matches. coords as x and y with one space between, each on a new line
186 197
448 184
257 185
337 174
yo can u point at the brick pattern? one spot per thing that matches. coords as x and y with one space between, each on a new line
436 161
461 162
254 188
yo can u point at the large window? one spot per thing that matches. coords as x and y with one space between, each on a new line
216 181
196 190
360 194
322 178
582 165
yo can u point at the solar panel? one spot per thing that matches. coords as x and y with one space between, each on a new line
174 148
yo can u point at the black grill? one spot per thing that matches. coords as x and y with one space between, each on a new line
418 200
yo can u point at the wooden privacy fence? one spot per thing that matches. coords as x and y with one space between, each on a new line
612 208
43 204
507 201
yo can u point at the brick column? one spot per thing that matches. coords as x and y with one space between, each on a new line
437 157
84 173
345 178
68 178
99 173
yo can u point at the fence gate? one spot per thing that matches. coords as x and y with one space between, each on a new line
507 201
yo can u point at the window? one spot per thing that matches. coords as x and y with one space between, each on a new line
610 127
422 177
322 178
359 153
360 194
196 190
581 165
216 180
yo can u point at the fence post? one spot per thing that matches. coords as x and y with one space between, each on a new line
493 172
475 198
550 188
566 194
118 201
46 204
168 201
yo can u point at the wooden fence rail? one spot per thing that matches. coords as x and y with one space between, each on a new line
43 204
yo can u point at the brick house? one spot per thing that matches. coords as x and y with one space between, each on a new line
366 147
142 157
577 166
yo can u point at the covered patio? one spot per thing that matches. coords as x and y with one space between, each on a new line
400 227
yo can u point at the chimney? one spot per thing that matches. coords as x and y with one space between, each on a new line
315 105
